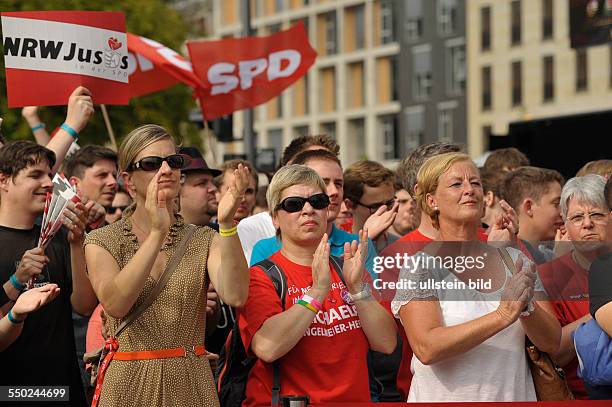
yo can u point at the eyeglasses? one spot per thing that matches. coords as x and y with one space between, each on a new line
374 207
595 217
294 204
112 209
175 161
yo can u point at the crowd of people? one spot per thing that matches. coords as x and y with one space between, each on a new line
186 285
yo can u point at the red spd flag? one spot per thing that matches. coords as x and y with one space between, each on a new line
246 72
153 67
47 54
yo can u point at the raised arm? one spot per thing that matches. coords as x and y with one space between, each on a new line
80 110
433 342
226 264
117 289
378 326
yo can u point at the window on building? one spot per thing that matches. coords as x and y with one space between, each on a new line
517 83
258 8
486 84
390 134
355 92
356 140
354 37
393 82
387 22
447 16
331 33
415 125
327 89
413 21
455 67
275 140
279 5
329 129
548 18
446 122
421 70
582 68
516 28
548 68
485 28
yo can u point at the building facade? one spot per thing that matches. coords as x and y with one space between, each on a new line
433 80
350 93
521 67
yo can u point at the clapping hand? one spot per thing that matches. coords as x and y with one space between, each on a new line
381 220
354 262
231 200
321 282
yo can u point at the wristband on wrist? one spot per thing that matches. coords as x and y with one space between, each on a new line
39 126
308 305
228 232
70 130
12 318
16 284
366 292
312 301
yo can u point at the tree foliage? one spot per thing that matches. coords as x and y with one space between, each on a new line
150 18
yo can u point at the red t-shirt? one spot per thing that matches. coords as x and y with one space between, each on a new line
329 363
567 286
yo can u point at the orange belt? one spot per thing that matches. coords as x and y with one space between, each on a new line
197 350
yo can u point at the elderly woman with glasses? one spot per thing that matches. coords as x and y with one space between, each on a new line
320 334
465 306
159 359
566 279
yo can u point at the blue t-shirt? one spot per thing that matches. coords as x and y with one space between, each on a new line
267 247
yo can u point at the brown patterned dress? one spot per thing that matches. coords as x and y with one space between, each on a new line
176 318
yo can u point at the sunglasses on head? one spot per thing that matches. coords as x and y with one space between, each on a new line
296 203
112 209
175 161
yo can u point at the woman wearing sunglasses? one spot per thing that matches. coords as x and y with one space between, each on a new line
320 335
159 359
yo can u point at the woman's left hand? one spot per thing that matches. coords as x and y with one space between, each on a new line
354 262
231 200
75 220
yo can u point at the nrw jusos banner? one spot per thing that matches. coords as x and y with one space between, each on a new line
47 54
245 72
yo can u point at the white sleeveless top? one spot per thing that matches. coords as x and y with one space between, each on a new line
495 370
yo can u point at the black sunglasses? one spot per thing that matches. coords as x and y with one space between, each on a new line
175 161
293 204
112 209
374 207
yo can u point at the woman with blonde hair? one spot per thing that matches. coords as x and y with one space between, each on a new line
159 359
469 340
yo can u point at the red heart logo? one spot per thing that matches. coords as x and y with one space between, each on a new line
114 43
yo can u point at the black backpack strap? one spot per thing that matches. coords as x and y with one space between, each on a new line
337 264
279 280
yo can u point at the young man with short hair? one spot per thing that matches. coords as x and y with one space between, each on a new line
368 186
534 193
44 353
93 171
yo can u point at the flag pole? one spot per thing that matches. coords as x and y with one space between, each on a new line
250 143
109 128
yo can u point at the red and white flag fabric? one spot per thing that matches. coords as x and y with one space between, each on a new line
245 72
153 67
47 54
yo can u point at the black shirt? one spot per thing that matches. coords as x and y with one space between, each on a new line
44 353
600 282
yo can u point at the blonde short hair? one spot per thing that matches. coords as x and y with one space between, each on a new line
428 179
288 176
138 139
